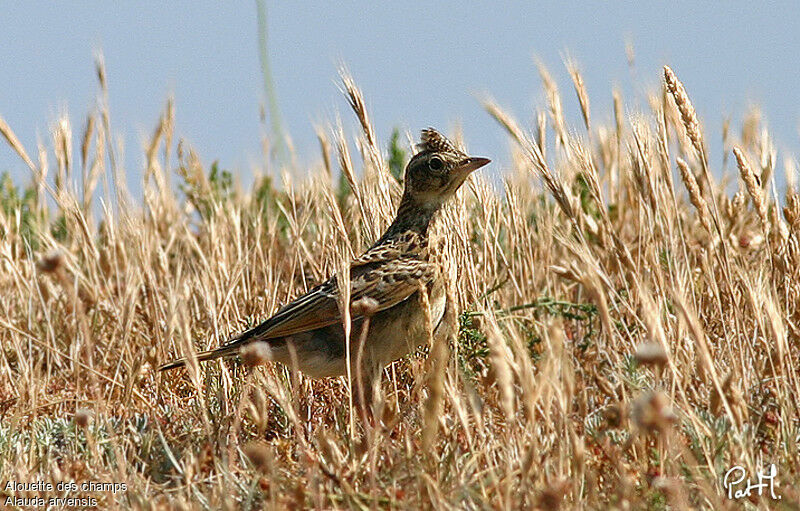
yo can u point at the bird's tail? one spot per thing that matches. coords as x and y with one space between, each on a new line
225 351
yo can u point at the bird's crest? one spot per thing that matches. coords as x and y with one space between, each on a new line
432 140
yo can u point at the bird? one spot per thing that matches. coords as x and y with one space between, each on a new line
385 283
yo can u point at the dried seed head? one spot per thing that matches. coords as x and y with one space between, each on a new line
580 90
357 103
698 201
255 354
753 185
541 132
615 414
605 386
618 116
778 228
739 201
727 208
651 412
567 273
791 212
732 395
505 120
651 353
688 114
83 417
500 368
51 261
554 102
325 148
16 145
329 450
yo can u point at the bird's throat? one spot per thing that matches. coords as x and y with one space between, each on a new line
411 216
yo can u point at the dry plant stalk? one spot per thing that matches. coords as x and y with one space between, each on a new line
437 365
500 367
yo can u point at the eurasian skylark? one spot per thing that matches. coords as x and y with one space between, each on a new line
385 284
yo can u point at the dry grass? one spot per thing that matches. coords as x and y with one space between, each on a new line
622 341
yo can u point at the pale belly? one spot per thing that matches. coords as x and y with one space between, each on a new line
407 333
392 334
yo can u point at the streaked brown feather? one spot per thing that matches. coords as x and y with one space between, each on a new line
388 273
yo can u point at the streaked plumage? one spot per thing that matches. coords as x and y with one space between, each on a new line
389 275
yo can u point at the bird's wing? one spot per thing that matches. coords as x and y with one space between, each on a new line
384 274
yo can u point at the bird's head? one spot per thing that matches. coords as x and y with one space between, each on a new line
435 173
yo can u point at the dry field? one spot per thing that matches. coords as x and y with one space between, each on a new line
629 329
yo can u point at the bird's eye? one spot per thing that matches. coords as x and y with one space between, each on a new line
436 164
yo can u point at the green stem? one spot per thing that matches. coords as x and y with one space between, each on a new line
269 84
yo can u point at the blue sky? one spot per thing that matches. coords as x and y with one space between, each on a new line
419 64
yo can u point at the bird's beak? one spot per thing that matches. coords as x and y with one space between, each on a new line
472 164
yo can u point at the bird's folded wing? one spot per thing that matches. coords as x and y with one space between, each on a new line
386 281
